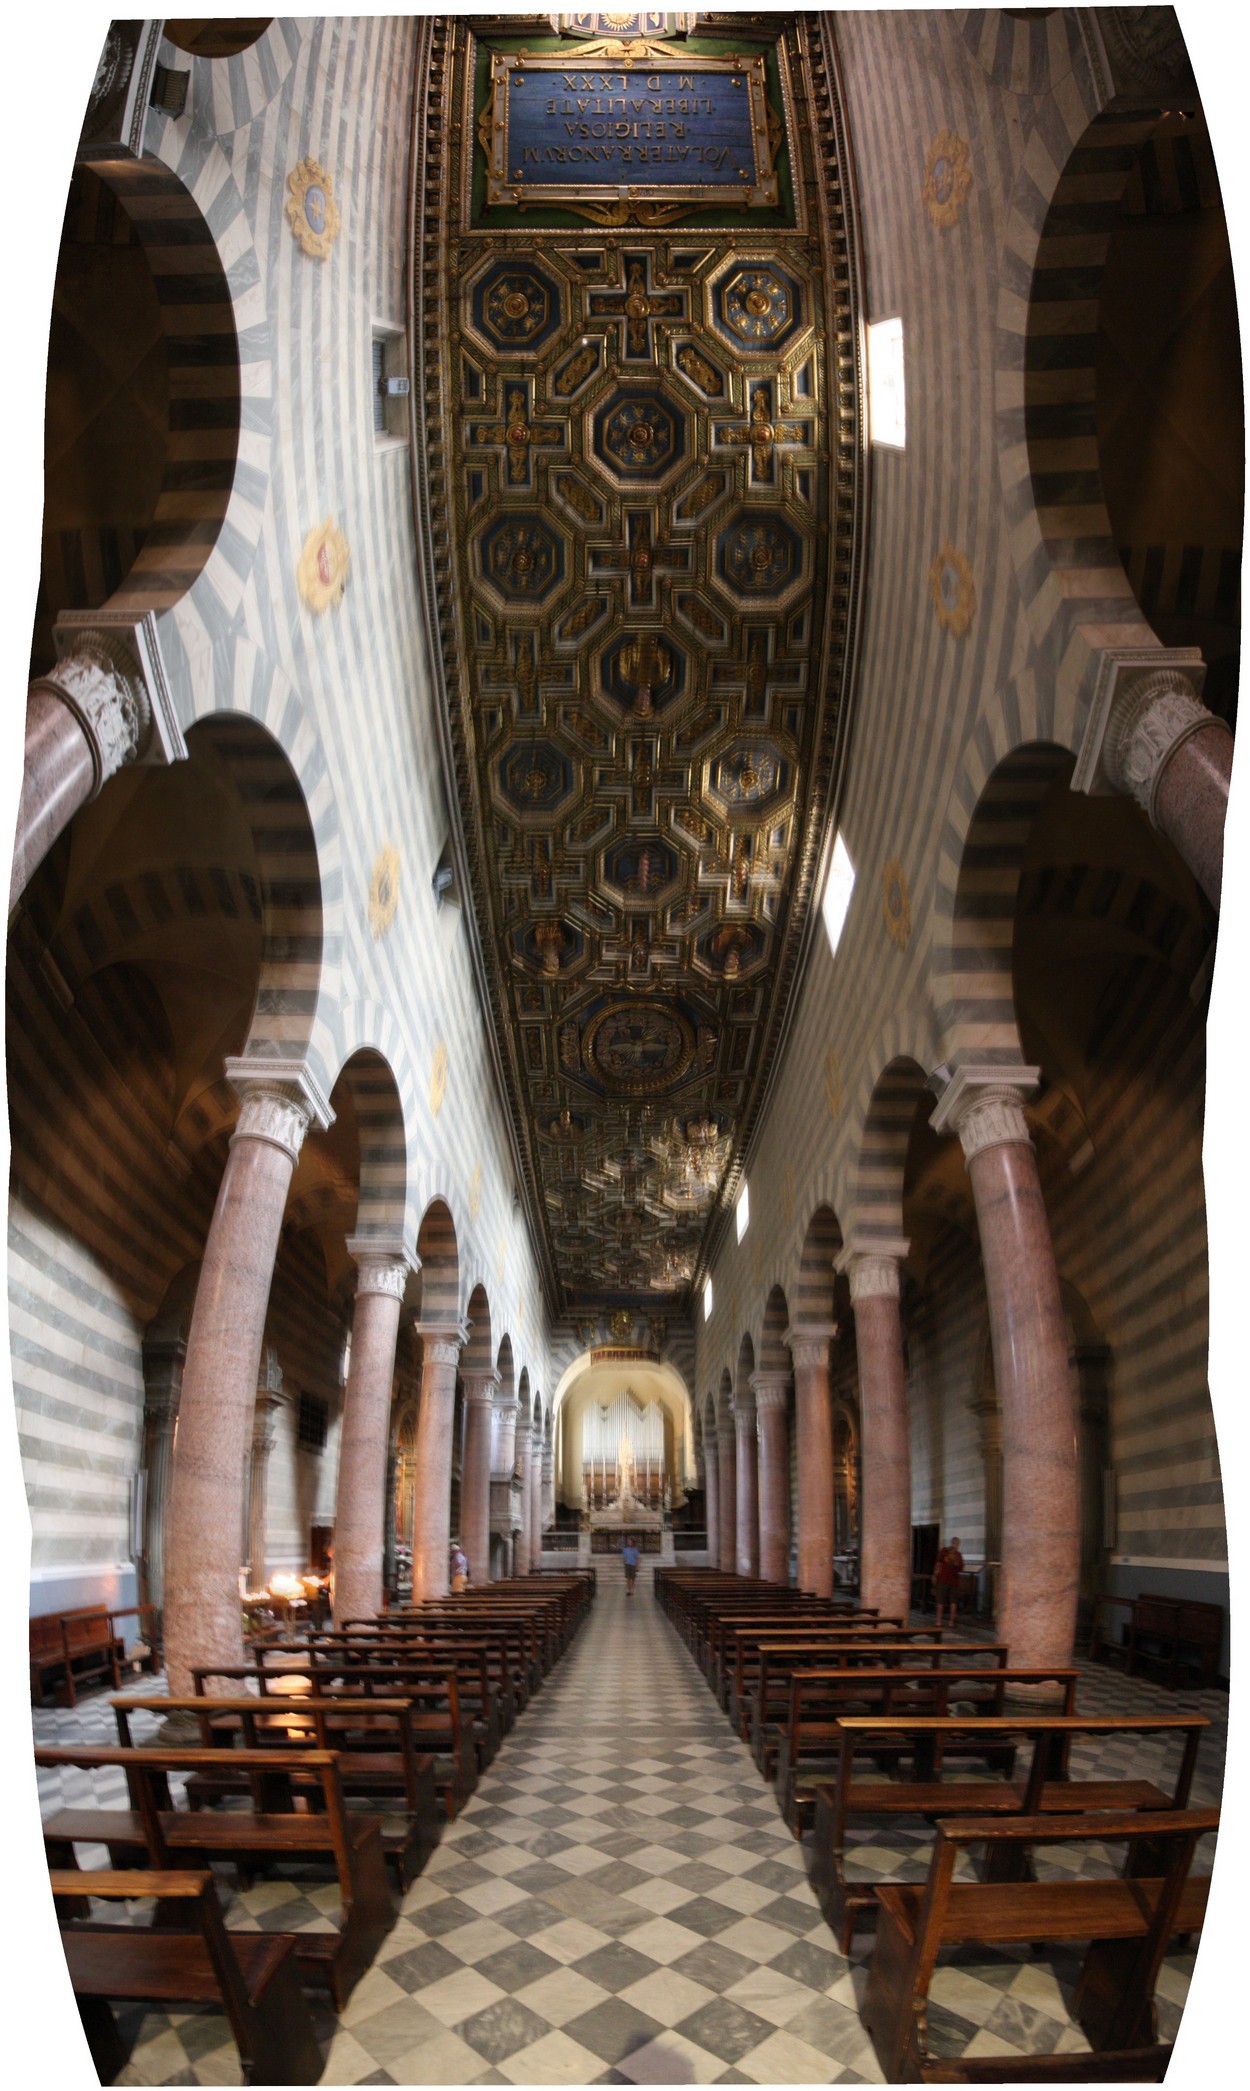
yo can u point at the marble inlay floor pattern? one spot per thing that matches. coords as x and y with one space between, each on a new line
621 1902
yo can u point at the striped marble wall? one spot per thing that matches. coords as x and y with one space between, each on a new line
966 659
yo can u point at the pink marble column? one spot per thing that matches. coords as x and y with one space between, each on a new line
711 1497
503 1469
479 1394
441 1343
536 1500
84 720
809 1348
1029 1340
202 1550
772 1392
1160 745
524 1543
727 1459
885 1445
382 1270
747 1560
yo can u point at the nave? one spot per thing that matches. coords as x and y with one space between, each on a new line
621 1902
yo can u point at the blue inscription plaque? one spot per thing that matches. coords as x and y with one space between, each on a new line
644 129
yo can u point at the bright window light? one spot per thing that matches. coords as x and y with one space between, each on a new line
838 890
707 1300
743 1209
887 407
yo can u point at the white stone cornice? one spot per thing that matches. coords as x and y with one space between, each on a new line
985 1106
771 1391
808 1344
1146 702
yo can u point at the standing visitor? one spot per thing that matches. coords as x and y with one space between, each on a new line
950 1566
630 1556
459 1566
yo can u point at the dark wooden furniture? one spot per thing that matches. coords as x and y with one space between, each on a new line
249 1833
190 1958
850 1905
1177 1638
766 1709
83 1646
1128 1923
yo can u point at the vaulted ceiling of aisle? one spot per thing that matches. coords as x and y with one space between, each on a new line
639 487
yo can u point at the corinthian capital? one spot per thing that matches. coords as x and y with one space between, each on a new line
442 1341
480 1387
808 1344
873 1268
771 1391
985 1106
378 1269
99 681
278 1101
1146 703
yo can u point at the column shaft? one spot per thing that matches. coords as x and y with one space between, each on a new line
360 1500
1191 803
814 1425
479 1390
1029 1340
523 1543
748 1536
885 1450
202 1616
774 1462
536 1502
728 1463
431 1543
59 777
711 1498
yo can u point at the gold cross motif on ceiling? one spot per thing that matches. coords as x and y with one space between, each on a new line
640 560
519 434
636 308
763 432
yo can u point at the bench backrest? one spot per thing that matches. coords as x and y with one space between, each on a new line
866 1731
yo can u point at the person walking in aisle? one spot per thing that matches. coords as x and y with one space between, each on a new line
630 1556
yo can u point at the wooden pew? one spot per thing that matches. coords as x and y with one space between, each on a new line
248 1836
1128 1922
505 1641
740 1654
850 1905
250 1976
770 1708
371 1736
485 1701
807 1745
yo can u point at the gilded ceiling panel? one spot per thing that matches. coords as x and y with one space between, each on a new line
639 492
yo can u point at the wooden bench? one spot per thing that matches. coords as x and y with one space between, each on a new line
733 1664
485 1700
247 1835
249 1976
1047 1789
1180 1637
1128 1923
818 1693
372 1737
764 1700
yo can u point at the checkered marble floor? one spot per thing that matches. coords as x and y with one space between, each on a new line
621 1902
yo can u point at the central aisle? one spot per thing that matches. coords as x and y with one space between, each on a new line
619 1903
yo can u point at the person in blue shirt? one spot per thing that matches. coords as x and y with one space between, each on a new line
630 1556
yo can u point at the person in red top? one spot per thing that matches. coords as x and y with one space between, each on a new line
950 1566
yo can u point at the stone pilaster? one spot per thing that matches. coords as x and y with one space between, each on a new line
809 1348
873 1270
383 1268
772 1395
441 1344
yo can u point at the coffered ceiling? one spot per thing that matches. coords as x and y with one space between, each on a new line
640 500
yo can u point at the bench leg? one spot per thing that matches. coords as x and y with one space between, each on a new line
284 2046
109 2053
1109 2004
893 2015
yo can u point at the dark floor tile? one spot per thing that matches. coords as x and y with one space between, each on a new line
613 2029
422 1965
726 2029
788 1913
379 2076
804 1962
703 1915
541 1874
948 2033
716 1967
513 1966
502 2028
614 1967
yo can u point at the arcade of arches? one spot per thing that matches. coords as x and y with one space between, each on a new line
602 946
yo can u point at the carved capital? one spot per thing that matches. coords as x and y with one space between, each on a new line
771 1391
442 1341
479 1388
809 1346
985 1106
1146 703
726 1433
100 683
278 1101
379 1270
874 1268
743 1405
